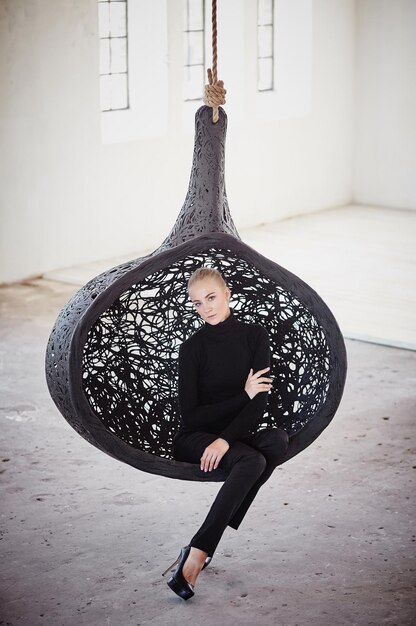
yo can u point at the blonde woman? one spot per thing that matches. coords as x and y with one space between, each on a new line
222 391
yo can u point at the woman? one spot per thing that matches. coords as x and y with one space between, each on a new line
222 392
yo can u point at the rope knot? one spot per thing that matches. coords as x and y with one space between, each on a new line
214 95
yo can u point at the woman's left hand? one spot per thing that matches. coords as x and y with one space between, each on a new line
213 454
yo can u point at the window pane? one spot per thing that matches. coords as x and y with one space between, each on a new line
118 19
118 91
265 11
265 41
112 18
118 55
194 82
195 15
105 92
103 19
104 56
265 74
195 52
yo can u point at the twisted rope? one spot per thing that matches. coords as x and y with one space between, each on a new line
214 40
214 92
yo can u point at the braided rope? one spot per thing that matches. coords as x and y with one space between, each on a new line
214 40
214 92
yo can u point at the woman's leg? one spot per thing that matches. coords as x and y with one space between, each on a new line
244 466
273 444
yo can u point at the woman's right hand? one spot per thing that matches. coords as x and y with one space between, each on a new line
256 382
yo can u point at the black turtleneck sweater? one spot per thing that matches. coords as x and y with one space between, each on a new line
213 367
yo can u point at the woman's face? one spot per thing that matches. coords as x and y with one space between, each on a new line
210 300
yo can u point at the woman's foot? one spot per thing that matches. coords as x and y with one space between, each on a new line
207 562
194 564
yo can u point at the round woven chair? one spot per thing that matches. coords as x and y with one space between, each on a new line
111 359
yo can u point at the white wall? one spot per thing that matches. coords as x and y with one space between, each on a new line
384 156
67 198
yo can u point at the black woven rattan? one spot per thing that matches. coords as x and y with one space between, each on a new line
111 360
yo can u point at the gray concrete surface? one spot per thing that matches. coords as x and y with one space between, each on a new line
329 540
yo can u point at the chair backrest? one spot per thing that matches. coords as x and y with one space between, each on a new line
129 363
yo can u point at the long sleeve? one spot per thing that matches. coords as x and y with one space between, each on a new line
196 415
246 419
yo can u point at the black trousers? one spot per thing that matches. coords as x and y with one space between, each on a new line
248 463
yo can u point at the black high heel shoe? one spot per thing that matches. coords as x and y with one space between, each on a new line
177 582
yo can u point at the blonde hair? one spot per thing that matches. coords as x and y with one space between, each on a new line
206 272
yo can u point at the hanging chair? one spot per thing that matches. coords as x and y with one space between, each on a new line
111 359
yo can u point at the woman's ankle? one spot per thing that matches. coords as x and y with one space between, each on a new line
198 554
193 564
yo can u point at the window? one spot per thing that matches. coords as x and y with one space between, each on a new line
112 23
265 46
291 97
134 95
194 50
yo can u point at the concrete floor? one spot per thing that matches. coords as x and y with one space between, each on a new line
329 540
